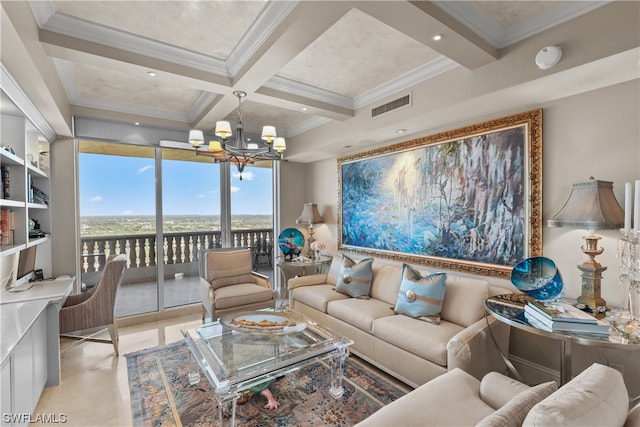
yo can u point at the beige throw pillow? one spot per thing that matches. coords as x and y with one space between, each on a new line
513 413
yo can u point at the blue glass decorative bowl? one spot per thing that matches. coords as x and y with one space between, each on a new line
291 241
537 277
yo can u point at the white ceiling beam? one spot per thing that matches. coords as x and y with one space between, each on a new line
422 20
304 24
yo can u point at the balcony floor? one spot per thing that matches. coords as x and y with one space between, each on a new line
142 297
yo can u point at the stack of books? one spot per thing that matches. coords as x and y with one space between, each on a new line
563 317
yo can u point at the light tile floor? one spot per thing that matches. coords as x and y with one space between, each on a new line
94 390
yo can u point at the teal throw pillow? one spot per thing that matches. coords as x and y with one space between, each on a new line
421 296
355 278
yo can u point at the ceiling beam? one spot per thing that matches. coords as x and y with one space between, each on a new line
422 20
303 25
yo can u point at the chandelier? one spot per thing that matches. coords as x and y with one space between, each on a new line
237 150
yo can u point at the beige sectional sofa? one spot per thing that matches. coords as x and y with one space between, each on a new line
412 350
596 397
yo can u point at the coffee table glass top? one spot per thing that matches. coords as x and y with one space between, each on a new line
234 358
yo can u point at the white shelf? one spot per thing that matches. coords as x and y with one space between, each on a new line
8 203
39 172
6 158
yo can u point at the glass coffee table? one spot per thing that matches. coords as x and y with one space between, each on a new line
245 349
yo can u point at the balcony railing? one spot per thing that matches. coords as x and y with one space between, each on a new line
178 248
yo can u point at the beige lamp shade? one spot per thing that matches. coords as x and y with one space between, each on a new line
310 215
279 144
196 138
223 129
591 205
269 133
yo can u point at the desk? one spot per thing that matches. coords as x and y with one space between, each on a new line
296 267
30 345
513 315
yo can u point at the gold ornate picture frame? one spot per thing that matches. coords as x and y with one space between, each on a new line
468 199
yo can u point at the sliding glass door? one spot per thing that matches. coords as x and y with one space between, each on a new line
161 207
117 216
190 221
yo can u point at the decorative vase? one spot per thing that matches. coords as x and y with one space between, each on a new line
316 255
537 277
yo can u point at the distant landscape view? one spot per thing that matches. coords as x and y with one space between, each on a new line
96 226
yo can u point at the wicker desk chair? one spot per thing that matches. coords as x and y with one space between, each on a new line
228 284
95 307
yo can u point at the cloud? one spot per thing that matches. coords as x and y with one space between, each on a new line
144 169
96 199
246 176
234 189
200 196
127 212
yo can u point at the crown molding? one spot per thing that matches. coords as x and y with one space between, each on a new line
79 28
265 24
405 81
13 90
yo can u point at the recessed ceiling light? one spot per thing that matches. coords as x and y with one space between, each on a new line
304 108
137 123
437 37
151 73
401 130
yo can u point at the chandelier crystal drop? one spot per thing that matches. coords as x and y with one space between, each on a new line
237 150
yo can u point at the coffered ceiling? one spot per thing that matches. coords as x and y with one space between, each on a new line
303 63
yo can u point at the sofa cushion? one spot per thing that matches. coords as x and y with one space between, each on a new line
359 312
423 339
450 399
241 294
355 277
421 296
465 299
513 413
386 282
497 389
596 397
317 296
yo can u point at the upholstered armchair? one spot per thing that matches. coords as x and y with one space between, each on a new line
228 283
95 307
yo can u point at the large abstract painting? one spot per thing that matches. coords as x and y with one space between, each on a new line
468 199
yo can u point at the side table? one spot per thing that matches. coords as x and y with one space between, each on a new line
299 267
504 309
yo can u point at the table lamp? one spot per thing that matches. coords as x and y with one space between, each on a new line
310 216
591 205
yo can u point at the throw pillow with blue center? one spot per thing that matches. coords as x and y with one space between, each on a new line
421 296
355 278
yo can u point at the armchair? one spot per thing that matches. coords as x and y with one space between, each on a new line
228 283
95 307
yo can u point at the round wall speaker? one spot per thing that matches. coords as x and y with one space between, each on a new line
548 56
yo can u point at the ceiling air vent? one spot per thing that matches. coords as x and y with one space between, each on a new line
397 103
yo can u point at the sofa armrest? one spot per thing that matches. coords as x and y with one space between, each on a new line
474 351
312 279
497 389
261 280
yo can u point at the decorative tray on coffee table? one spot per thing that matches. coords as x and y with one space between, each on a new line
263 322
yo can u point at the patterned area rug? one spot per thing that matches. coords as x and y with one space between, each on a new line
161 394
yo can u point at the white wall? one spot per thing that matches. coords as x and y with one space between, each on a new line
592 134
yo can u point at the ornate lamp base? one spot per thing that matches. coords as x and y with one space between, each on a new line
592 278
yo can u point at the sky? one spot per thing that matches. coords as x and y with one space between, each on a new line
118 185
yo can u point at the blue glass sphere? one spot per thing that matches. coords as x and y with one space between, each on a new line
537 277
